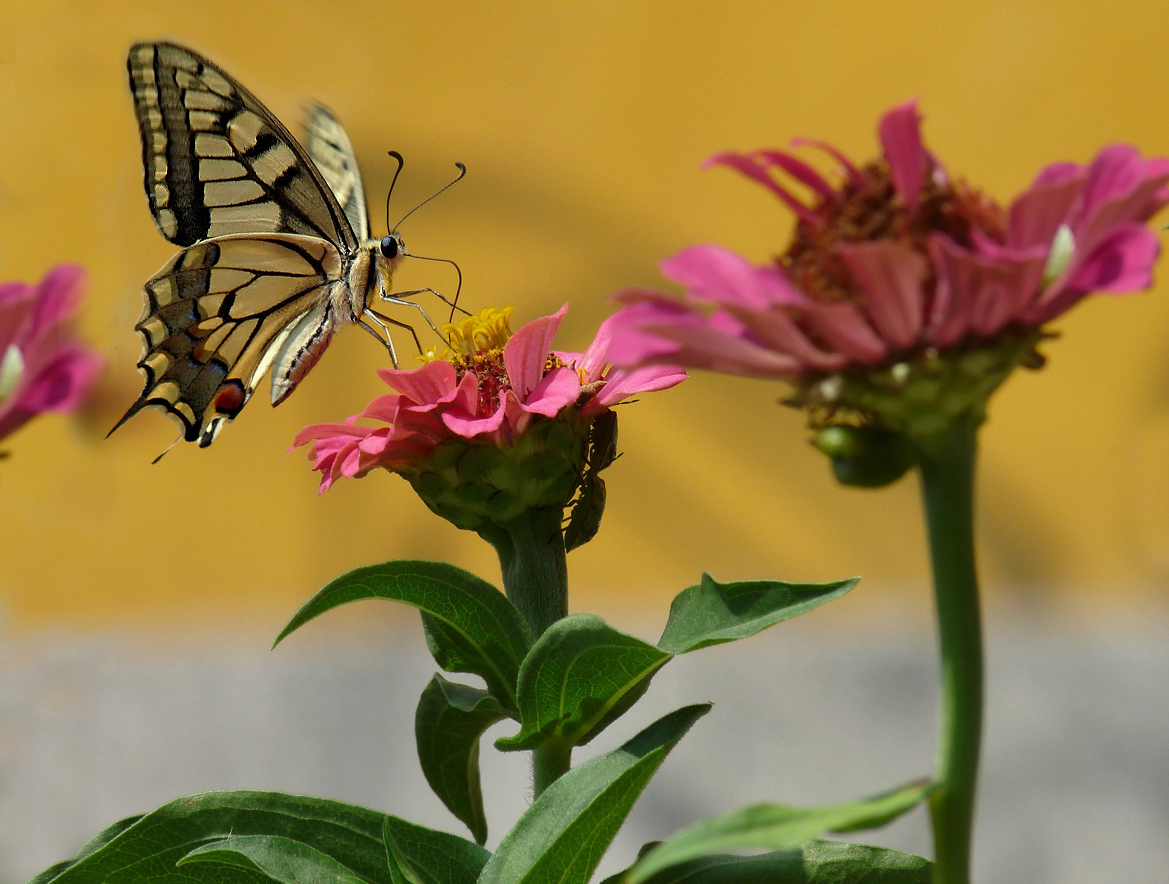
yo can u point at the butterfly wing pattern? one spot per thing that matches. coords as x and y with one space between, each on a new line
276 252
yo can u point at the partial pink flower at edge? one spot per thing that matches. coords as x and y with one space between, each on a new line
913 282
42 368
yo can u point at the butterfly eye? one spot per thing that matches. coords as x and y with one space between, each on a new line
391 247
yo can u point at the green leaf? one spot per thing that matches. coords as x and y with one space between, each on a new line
150 847
281 859
778 827
579 676
448 724
418 855
565 832
817 862
470 625
712 613
99 840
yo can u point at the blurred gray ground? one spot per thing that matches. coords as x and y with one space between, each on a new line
1076 785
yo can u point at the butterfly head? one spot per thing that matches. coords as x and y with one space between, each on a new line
392 247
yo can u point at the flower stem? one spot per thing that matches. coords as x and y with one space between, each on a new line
947 464
535 578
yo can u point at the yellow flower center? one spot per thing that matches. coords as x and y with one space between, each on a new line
474 335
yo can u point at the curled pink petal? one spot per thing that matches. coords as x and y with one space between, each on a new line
900 133
855 176
800 171
756 171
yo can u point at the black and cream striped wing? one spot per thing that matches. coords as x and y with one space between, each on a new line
218 162
328 145
220 313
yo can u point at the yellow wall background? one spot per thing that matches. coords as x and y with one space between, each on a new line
582 124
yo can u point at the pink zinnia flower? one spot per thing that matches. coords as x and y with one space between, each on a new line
899 260
493 390
42 368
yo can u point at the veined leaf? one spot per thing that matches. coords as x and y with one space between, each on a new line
471 626
418 855
281 859
712 613
817 862
777 827
151 847
448 724
566 831
580 675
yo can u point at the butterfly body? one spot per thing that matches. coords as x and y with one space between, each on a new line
275 255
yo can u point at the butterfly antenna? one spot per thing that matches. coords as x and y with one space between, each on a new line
401 162
462 171
454 303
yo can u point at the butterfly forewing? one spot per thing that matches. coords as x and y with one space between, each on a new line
328 145
217 161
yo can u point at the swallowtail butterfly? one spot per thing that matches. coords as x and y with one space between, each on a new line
276 252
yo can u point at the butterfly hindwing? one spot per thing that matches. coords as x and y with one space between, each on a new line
218 314
217 161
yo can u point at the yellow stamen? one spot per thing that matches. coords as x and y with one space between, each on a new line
481 332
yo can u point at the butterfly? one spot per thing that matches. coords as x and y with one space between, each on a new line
276 251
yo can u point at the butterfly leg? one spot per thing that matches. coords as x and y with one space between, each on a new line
399 298
386 342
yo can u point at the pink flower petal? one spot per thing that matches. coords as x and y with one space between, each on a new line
1122 262
559 388
1057 173
469 427
14 293
719 276
776 330
688 338
621 383
756 171
526 352
430 383
1039 211
979 293
800 171
324 433
855 175
61 384
58 295
383 408
841 326
890 276
1121 189
900 133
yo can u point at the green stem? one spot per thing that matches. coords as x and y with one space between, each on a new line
947 477
535 578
